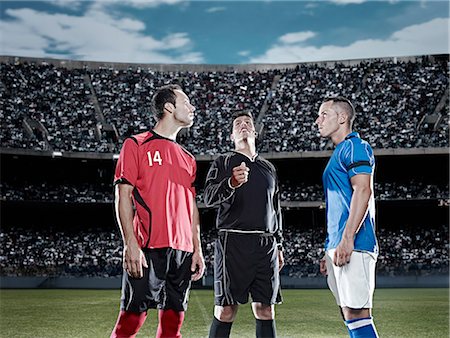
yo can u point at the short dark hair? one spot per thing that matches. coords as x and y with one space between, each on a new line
239 113
164 94
345 105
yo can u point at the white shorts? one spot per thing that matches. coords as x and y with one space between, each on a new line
354 283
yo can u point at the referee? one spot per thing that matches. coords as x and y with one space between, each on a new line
248 251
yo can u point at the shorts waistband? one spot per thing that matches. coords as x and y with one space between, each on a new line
246 232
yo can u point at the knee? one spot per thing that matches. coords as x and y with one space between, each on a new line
350 314
263 311
225 313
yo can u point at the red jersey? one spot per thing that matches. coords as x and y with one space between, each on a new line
162 174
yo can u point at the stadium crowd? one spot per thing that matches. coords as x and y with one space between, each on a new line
57 100
62 193
44 107
415 251
124 96
383 191
68 107
391 97
103 193
56 253
44 252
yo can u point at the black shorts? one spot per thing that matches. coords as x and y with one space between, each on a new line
165 285
246 264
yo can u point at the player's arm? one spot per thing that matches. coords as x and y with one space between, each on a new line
198 263
359 206
322 263
133 257
279 220
220 186
323 266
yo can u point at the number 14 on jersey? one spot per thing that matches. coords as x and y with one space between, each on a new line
156 157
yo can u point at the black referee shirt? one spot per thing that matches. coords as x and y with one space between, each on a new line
255 205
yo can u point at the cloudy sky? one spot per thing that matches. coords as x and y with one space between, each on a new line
222 32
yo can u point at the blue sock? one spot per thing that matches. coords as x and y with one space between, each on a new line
349 331
361 328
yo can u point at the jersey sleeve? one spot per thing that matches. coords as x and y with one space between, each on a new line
358 158
194 178
279 219
127 165
217 187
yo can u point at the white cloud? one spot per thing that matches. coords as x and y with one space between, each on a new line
357 2
75 4
174 41
431 37
145 3
95 36
296 37
244 53
130 24
311 5
67 4
215 9
348 2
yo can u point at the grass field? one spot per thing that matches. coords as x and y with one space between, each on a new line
304 313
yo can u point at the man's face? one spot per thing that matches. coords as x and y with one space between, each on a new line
327 121
184 110
243 128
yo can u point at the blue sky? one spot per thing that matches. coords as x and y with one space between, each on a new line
222 32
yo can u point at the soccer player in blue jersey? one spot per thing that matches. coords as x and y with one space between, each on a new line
351 244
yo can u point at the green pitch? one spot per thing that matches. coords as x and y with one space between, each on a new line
304 313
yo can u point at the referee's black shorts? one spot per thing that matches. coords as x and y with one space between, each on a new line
246 264
165 284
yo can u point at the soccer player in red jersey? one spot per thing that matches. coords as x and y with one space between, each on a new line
159 220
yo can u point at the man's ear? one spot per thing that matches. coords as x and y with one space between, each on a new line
232 137
169 107
342 118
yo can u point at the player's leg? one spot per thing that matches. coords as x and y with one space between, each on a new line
356 284
176 290
223 320
226 313
265 319
128 324
135 301
265 289
331 281
359 323
232 278
170 322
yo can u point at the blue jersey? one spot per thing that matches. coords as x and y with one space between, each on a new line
351 157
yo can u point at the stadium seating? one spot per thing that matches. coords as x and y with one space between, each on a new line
49 107
401 104
46 252
102 193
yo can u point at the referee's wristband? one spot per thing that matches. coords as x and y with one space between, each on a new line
229 183
231 187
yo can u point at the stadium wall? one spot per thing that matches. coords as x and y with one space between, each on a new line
433 281
72 64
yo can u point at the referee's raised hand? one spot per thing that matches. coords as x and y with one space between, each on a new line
240 175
